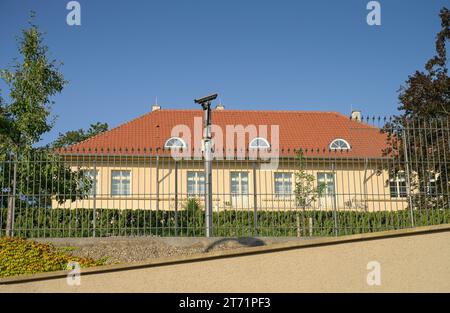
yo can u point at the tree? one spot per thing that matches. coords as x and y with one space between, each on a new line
32 83
33 176
306 192
418 138
76 136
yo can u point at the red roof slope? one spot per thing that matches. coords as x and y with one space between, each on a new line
308 130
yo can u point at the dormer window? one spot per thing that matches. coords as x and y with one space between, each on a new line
259 143
339 144
175 143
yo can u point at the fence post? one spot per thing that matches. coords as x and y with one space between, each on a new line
336 225
157 183
255 203
12 202
408 180
94 205
157 193
176 198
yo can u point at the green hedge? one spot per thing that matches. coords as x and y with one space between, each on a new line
45 222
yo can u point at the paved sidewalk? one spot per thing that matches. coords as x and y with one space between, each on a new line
411 263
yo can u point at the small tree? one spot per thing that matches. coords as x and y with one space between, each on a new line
306 191
33 175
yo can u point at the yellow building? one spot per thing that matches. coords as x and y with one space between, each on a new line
155 162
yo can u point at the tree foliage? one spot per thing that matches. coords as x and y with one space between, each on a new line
32 82
418 137
76 136
306 191
427 93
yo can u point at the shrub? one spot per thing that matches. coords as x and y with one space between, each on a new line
19 256
46 222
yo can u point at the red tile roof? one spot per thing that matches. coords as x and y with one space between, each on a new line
308 130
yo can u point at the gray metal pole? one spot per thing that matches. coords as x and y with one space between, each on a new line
206 106
208 170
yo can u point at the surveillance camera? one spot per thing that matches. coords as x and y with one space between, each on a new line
206 100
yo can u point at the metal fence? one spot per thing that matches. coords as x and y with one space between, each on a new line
399 182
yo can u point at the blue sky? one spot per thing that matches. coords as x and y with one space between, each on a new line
283 55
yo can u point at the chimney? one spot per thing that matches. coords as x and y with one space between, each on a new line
220 107
356 115
156 106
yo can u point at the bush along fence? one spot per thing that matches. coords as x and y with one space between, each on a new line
114 222
392 176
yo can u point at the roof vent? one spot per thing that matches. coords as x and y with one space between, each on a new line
356 115
156 106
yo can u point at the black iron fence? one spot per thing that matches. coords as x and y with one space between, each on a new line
391 176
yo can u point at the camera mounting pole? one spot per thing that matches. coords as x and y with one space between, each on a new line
205 102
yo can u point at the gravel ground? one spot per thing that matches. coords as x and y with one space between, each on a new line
126 249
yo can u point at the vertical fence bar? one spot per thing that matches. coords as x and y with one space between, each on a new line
176 198
408 178
335 215
94 196
255 199
12 201
157 193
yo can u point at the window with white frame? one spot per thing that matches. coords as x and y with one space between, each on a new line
120 182
326 180
397 185
239 183
92 175
339 144
195 183
283 184
259 143
174 142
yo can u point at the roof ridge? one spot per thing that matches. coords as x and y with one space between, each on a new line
240 110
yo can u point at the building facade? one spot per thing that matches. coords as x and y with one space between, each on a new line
155 163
